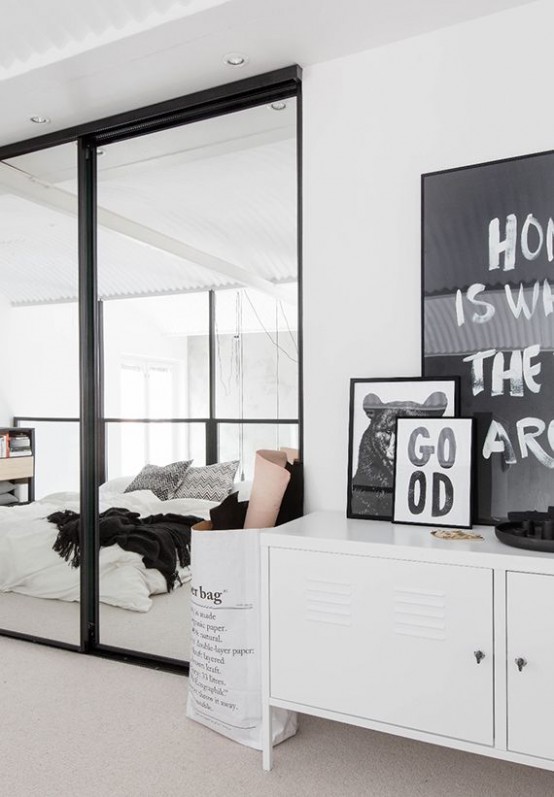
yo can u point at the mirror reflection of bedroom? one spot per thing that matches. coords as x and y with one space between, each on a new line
39 392
197 300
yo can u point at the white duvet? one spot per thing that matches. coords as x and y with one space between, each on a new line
28 564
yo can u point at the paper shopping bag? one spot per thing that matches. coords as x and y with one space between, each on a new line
225 690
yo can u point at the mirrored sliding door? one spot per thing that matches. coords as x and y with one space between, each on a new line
39 395
197 283
149 320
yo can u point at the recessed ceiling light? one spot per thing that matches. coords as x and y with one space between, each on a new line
235 59
40 120
278 106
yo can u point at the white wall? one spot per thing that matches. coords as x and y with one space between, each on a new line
39 368
6 410
373 123
40 360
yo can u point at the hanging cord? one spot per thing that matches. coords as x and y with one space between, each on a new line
239 338
277 349
226 384
294 342
285 352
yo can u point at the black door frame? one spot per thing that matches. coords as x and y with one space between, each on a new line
228 98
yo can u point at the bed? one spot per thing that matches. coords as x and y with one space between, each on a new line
29 565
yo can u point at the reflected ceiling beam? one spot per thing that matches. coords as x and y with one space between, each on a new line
39 192
122 160
154 161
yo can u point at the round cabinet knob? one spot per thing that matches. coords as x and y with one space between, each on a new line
521 663
479 656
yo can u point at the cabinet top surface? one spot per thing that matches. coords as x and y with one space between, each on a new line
332 531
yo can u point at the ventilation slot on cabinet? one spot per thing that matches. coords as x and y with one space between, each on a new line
328 602
420 613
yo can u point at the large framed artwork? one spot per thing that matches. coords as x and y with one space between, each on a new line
375 405
488 318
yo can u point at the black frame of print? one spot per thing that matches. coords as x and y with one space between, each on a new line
487 298
377 467
460 427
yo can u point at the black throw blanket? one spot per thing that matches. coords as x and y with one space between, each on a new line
161 540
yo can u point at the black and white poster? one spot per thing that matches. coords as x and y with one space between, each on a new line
433 476
488 318
375 405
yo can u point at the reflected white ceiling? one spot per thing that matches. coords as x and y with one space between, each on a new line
224 190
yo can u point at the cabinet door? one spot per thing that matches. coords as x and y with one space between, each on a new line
531 684
387 640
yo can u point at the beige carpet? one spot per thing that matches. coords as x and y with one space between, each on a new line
164 630
75 725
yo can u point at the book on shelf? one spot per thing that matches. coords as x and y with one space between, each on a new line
20 437
15 444
19 445
4 445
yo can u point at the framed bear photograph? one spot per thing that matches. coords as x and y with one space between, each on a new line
375 405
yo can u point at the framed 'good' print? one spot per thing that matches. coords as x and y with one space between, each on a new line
433 471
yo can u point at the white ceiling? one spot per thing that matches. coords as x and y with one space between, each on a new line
77 60
38 33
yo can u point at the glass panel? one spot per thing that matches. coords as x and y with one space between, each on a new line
155 353
241 441
160 391
161 444
257 355
209 206
39 318
133 391
131 445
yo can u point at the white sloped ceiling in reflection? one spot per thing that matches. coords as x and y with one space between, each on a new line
236 205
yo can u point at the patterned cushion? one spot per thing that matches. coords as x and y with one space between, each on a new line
212 483
163 481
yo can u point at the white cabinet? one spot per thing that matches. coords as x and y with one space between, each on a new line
530 664
406 643
387 627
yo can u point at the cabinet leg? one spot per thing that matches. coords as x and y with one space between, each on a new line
267 738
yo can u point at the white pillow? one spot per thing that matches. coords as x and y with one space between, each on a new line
116 485
6 487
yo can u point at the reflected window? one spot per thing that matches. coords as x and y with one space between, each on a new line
148 390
